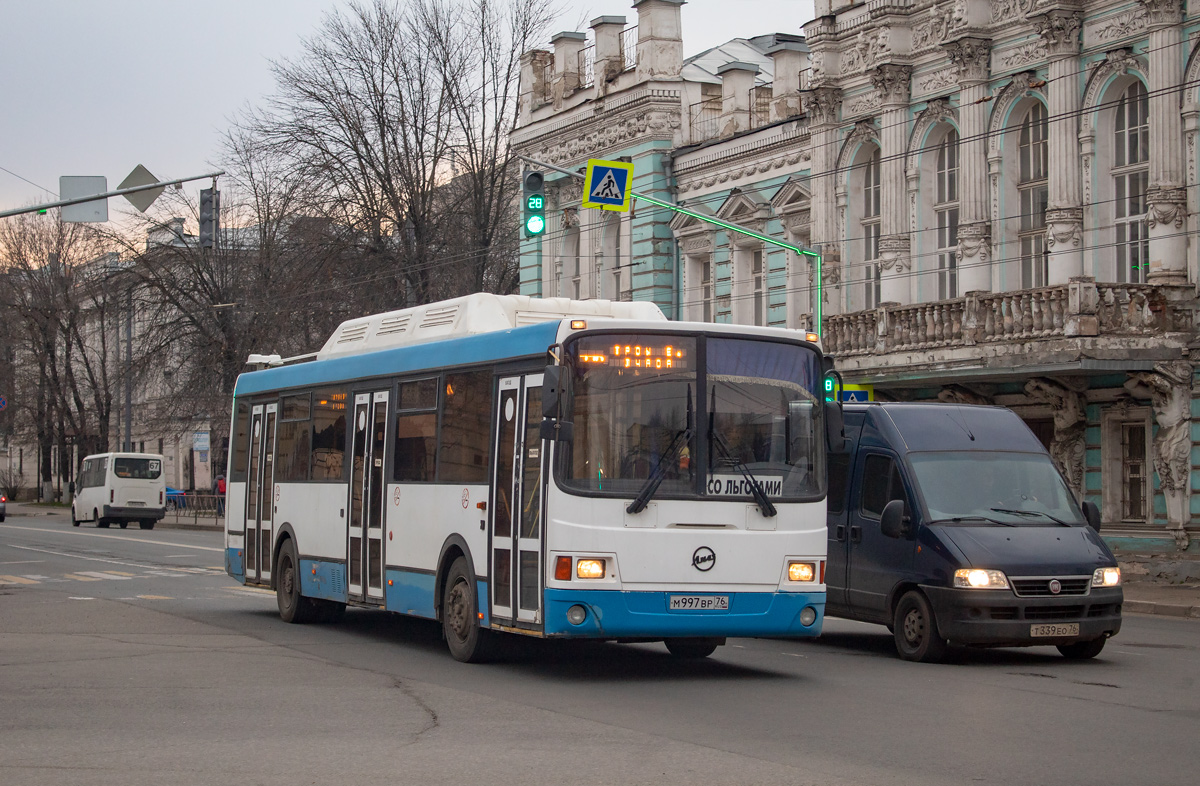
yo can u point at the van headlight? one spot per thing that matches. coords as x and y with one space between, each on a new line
1106 577
978 578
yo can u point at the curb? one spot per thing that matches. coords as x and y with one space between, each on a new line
1161 609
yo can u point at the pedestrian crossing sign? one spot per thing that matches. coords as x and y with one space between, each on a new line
607 185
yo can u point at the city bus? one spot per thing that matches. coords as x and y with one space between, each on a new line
510 465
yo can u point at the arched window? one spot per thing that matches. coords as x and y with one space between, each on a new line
870 230
945 206
1131 176
1034 192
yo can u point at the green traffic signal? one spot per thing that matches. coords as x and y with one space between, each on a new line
533 183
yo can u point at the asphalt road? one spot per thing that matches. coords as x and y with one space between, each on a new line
129 657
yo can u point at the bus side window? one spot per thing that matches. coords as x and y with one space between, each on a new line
328 435
466 428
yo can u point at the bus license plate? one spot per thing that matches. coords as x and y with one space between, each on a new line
699 603
1062 629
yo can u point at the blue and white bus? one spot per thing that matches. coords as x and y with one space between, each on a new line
543 467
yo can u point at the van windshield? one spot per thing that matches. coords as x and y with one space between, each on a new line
1014 488
137 468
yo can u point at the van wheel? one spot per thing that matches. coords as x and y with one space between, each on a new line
144 524
103 523
293 607
916 631
124 524
74 521
1082 650
460 617
693 648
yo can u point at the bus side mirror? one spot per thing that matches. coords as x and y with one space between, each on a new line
552 392
1092 513
835 427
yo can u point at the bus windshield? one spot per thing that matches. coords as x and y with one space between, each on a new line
711 414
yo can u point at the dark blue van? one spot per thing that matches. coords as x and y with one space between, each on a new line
950 524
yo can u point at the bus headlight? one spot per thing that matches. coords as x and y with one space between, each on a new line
801 571
977 578
590 568
1106 577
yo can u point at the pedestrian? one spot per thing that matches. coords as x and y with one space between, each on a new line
220 495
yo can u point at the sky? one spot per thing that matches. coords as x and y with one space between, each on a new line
96 87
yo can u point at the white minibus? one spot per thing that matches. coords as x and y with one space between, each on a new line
120 488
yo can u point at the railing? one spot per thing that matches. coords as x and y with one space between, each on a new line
197 508
705 119
760 106
1080 308
629 48
587 66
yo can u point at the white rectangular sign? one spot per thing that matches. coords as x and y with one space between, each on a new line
75 186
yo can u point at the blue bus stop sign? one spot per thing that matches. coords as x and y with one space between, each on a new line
3 403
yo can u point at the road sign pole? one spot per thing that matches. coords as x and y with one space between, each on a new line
732 227
106 195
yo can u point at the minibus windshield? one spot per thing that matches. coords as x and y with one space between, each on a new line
1023 489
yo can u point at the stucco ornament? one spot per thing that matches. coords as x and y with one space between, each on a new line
1070 426
1169 388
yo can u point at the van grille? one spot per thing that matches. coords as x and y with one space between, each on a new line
1039 587
1053 612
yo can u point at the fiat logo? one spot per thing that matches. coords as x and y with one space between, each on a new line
703 559
1055 586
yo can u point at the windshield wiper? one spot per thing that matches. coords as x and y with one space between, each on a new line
756 489
1055 519
652 483
959 519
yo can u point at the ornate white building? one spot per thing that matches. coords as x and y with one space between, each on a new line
1004 194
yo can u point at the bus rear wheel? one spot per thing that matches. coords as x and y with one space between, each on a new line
293 607
468 643
693 648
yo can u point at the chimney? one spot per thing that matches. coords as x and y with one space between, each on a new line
607 30
660 39
737 78
567 46
534 90
790 54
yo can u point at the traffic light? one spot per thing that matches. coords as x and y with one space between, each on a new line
830 387
533 188
210 208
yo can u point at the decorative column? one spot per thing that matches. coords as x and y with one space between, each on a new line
971 56
1059 29
1166 198
892 82
1169 388
823 105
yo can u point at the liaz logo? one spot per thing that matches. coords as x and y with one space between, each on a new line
703 558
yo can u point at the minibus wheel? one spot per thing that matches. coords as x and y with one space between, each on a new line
143 524
1082 650
124 524
916 630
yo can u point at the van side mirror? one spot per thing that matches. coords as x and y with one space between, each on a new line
1092 513
835 427
893 522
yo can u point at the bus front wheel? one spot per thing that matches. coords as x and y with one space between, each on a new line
693 648
468 643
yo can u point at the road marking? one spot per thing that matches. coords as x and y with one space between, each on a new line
80 578
155 597
36 577
74 532
23 562
102 575
250 590
79 598
15 580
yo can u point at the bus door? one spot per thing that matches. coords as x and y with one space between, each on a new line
367 489
516 558
260 495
